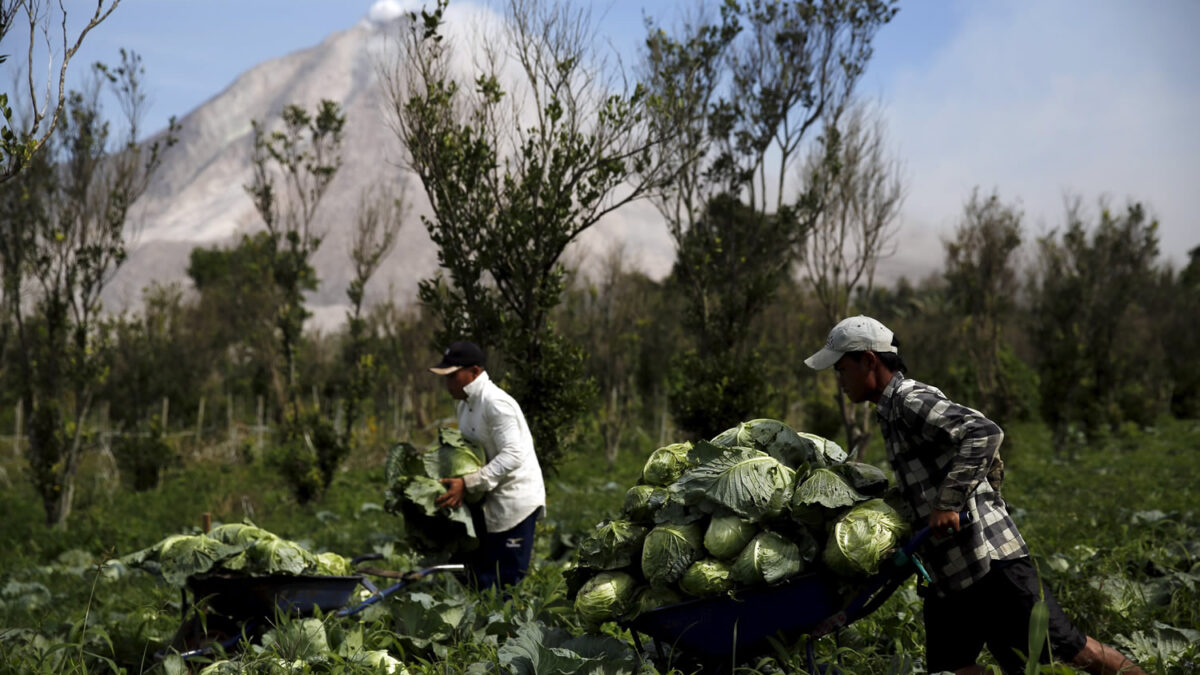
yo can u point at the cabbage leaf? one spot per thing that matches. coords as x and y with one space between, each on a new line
668 550
612 544
745 481
666 464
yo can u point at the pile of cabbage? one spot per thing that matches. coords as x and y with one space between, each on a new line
758 504
233 548
413 475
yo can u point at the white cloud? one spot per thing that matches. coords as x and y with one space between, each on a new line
1038 100
384 11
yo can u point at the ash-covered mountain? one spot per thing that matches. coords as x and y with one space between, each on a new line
198 198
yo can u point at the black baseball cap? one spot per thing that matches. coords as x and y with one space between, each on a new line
460 355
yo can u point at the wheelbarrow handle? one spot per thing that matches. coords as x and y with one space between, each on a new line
964 519
408 578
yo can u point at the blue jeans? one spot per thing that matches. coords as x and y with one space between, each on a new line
503 557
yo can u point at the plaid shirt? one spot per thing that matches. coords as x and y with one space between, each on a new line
946 456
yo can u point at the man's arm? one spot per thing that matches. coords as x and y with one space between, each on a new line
504 425
976 439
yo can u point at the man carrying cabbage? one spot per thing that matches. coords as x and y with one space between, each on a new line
510 483
946 460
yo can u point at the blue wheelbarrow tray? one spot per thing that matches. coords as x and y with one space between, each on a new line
813 604
742 621
246 597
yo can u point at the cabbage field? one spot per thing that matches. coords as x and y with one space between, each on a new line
1114 530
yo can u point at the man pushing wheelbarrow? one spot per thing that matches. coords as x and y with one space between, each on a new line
946 459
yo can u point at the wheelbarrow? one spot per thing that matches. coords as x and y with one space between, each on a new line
240 607
712 632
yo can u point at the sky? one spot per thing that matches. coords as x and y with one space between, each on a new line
1039 101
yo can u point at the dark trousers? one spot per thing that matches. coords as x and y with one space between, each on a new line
503 557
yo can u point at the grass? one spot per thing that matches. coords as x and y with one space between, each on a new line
1114 529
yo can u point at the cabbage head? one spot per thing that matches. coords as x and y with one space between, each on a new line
331 564
666 464
653 597
866 478
828 453
706 578
747 482
241 535
277 556
669 550
825 488
768 558
726 536
608 596
862 538
612 544
452 456
774 438
181 556
643 501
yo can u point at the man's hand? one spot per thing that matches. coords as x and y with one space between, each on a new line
943 523
456 489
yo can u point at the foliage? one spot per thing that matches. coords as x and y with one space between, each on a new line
309 455
1077 532
305 154
509 197
21 140
729 94
143 456
1089 296
377 225
64 235
981 289
859 189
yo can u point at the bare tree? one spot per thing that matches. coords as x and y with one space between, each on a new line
19 141
860 188
738 98
377 223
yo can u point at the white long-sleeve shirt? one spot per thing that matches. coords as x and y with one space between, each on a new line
512 477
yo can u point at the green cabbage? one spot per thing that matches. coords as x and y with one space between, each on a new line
643 501
452 457
768 558
239 534
413 479
181 556
774 438
828 453
706 578
726 536
668 550
866 478
612 545
331 564
666 464
653 597
278 556
608 596
862 538
745 481
824 487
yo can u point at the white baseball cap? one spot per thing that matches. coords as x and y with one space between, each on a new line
856 334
